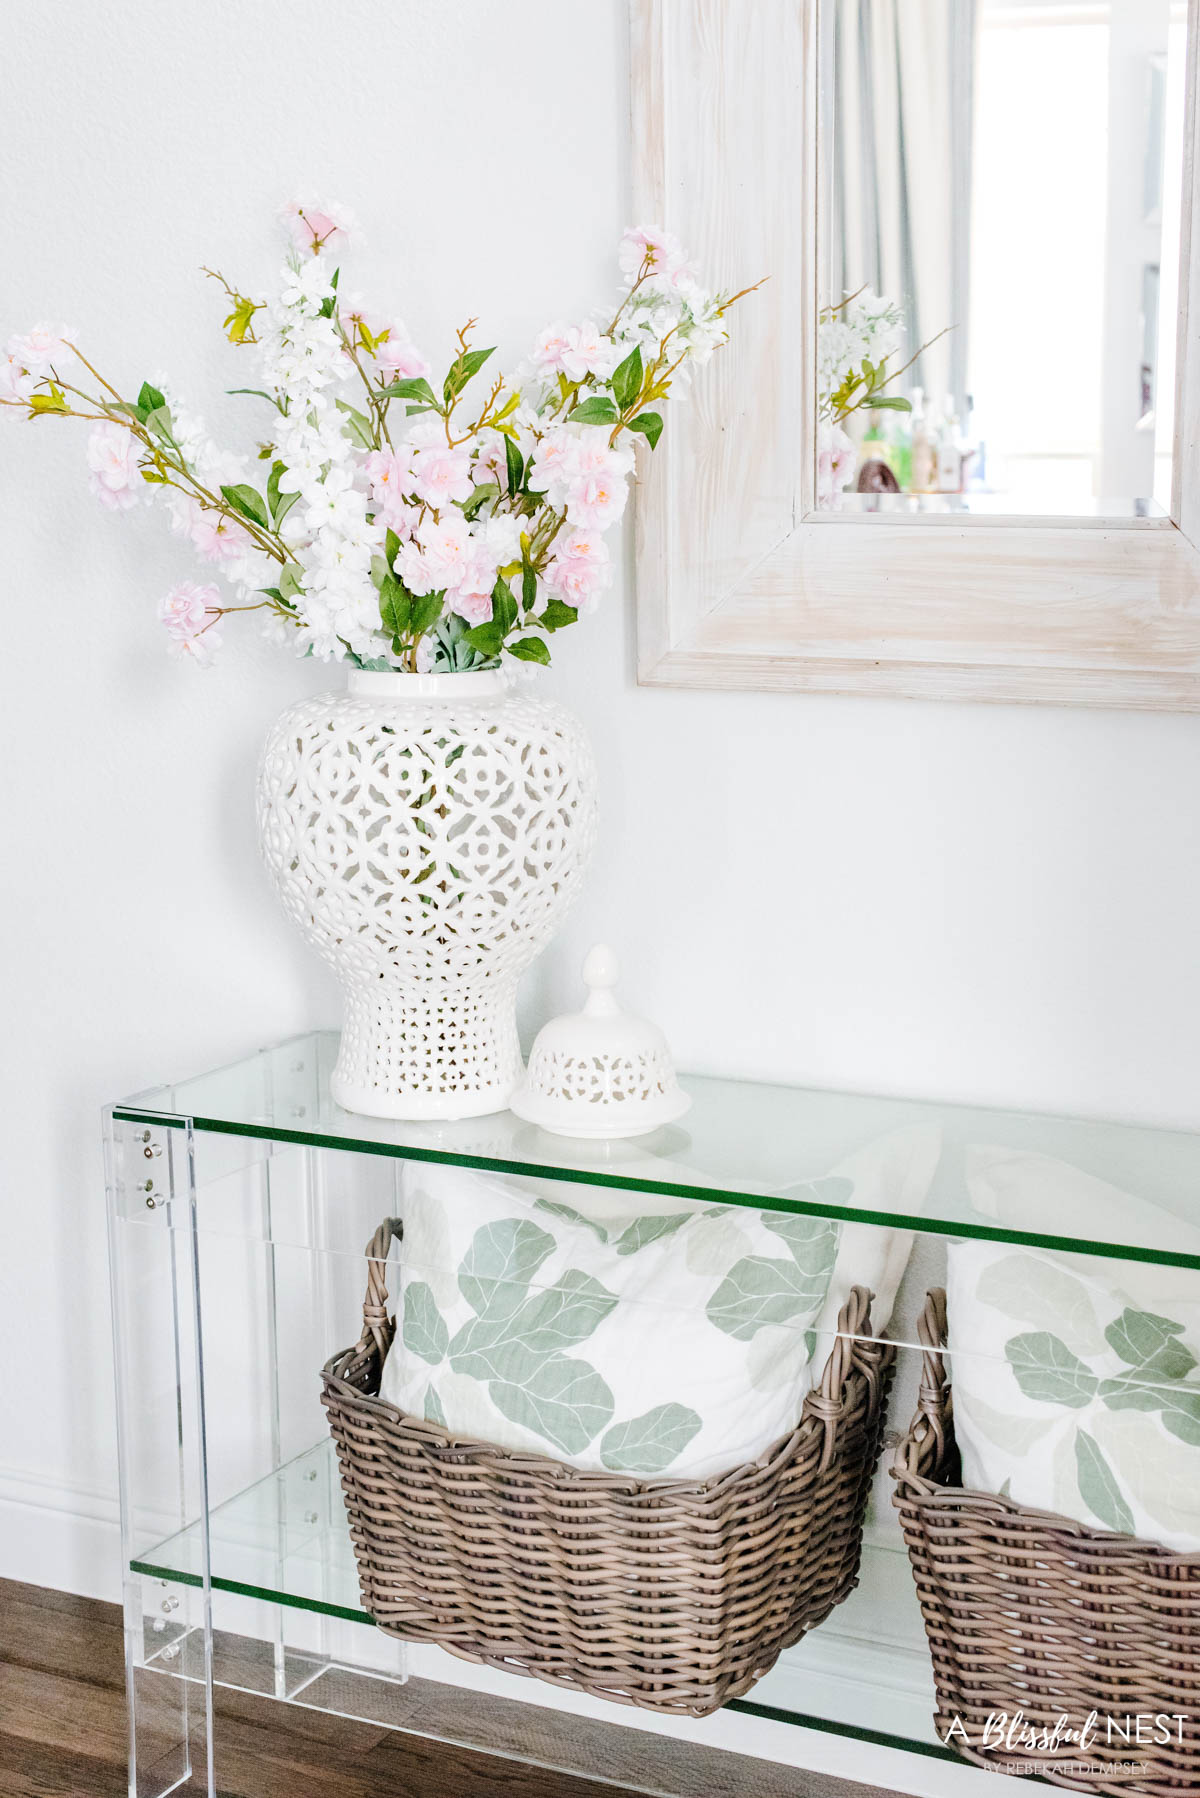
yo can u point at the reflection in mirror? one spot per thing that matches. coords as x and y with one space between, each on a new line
1001 196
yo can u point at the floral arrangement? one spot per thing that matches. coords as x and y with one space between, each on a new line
409 527
856 339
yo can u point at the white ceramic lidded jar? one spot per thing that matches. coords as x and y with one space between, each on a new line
427 832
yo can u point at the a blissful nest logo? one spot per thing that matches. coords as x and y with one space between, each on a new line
516 1343
1134 1734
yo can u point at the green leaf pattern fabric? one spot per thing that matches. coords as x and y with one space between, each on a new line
615 1331
1094 1411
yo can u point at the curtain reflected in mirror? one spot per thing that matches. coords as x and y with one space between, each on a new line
1001 196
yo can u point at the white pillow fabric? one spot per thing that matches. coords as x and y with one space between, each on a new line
1076 1385
895 1174
1025 1191
610 1329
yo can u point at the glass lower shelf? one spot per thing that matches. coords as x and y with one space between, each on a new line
865 1672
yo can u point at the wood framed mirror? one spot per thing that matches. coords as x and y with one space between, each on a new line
1016 179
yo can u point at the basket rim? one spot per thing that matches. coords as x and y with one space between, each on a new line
867 1359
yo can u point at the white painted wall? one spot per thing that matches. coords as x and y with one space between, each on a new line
996 904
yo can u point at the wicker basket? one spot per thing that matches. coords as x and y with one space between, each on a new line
674 1595
1035 1617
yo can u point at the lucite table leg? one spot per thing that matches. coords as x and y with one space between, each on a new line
160 1424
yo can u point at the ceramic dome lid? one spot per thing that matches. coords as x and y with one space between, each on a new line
600 1071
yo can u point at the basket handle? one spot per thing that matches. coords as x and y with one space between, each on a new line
854 1346
378 1328
925 1445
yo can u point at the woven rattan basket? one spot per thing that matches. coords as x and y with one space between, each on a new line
1037 1621
670 1594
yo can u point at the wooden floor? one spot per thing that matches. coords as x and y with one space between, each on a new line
62 1733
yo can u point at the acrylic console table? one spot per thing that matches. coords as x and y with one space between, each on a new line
239 1206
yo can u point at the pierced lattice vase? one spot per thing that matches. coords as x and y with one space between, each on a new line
427 833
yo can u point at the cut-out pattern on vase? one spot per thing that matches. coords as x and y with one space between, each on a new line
427 833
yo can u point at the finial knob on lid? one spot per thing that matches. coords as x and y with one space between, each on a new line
600 1072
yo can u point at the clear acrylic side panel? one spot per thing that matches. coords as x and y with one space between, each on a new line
159 1412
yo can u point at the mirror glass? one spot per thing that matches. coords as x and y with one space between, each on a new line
1000 219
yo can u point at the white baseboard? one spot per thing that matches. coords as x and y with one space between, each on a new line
59 1536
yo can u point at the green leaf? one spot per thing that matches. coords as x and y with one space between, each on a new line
426 611
501 1254
515 464
54 401
425 1331
1098 1485
487 638
528 586
627 379
571 1216
530 649
150 399
649 1229
480 498
504 607
557 615
1046 1369
563 1400
280 503
650 425
159 421
890 402
812 1243
391 547
395 607
1181 1412
507 1344
357 426
433 1406
648 1444
412 389
290 580
1148 1342
462 370
595 411
247 502
758 1291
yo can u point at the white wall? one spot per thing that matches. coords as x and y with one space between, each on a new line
995 904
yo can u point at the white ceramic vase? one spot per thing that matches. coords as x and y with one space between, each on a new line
427 833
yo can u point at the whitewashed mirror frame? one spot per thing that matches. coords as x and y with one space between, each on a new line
741 584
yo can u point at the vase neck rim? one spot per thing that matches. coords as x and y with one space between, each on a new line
389 683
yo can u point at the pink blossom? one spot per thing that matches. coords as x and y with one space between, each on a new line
551 345
399 357
555 462
217 538
442 474
390 472
316 225
596 498
836 457
16 382
580 570
665 252
41 347
184 610
199 650
589 352
472 597
491 464
115 478
438 555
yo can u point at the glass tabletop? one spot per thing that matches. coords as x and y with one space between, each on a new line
1074 1184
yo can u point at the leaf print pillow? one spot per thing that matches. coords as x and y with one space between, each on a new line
1077 1386
614 1330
